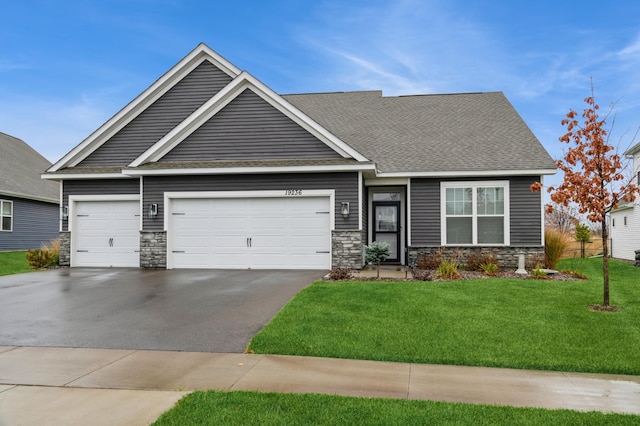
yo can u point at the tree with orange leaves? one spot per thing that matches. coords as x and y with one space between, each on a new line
594 178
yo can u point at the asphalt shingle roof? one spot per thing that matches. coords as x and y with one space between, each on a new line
20 169
465 132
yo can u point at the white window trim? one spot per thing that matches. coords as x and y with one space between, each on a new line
2 216
475 185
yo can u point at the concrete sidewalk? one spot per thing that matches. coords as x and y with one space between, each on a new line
43 385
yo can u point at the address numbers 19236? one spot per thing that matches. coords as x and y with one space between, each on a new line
292 192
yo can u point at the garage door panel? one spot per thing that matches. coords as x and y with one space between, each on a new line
106 233
260 233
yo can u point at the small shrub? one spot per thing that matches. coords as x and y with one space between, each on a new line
489 268
376 253
476 260
46 256
430 260
422 274
538 274
340 274
448 269
555 243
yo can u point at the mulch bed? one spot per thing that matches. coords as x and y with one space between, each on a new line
430 275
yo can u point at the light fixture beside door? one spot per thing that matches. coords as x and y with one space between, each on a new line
345 209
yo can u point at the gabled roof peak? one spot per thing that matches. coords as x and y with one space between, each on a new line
201 53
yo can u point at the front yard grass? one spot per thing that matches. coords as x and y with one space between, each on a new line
243 407
510 323
13 262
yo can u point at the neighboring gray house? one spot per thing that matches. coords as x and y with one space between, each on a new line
209 168
29 205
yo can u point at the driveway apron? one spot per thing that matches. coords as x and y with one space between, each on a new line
177 310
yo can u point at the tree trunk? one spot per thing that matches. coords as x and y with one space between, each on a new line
605 263
378 270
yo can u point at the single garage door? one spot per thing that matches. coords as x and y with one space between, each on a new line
241 233
106 233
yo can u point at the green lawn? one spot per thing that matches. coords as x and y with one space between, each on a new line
241 408
513 323
13 262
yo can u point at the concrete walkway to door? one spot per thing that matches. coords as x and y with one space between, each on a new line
69 386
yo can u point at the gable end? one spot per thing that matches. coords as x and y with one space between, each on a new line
160 117
249 128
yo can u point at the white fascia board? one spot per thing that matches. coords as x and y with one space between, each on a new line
481 173
247 170
72 176
29 197
622 208
222 99
143 101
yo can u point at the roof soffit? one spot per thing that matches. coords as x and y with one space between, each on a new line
224 97
161 86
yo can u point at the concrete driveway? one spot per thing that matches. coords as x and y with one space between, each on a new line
177 310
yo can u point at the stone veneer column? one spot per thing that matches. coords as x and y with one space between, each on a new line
153 249
347 249
65 248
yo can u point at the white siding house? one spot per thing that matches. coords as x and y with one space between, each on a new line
625 221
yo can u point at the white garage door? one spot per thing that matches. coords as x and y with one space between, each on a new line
241 233
106 233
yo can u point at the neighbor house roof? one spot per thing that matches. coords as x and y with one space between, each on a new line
466 132
20 168
632 151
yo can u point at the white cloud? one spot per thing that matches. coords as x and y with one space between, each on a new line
631 51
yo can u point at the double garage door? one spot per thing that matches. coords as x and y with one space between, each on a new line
238 233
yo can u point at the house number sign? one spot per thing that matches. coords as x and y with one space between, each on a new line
292 192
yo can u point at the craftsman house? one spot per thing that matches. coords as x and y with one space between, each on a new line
210 168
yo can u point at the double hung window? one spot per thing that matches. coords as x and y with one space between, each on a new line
6 215
475 213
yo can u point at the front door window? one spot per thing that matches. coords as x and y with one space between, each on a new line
387 226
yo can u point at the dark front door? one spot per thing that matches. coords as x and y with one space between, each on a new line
386 218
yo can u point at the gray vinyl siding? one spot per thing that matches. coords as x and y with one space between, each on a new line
97 187
249 128
525 211
425 212
160 117
345 185
34 223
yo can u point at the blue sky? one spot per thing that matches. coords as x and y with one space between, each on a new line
68 66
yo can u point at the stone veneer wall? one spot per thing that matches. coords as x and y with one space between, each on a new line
347 249
65 248
153 249
507 256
